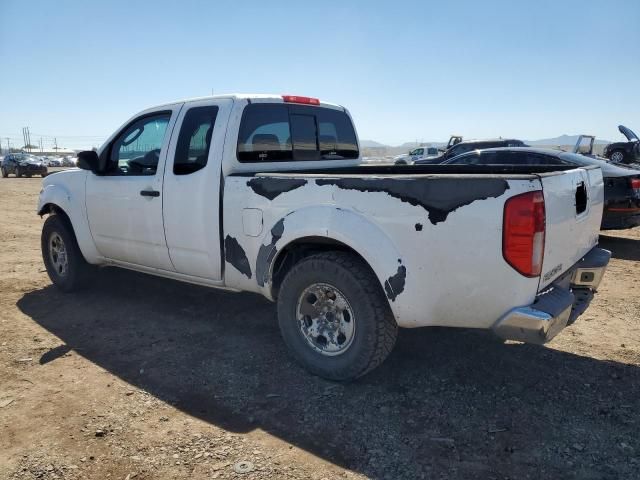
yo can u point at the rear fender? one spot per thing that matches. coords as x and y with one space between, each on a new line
344 226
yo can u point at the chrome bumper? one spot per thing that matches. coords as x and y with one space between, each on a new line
559 305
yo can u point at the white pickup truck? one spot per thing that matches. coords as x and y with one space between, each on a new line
266 194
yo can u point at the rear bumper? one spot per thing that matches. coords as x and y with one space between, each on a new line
559 305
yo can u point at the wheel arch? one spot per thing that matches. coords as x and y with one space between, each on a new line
57 199
342 230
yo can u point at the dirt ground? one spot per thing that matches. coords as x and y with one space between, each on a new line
145 378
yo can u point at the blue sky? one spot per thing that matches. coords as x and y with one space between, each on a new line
406 70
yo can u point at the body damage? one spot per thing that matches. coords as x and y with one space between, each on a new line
234 255
422 269
272 187
438 196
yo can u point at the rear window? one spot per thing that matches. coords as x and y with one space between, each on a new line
282 132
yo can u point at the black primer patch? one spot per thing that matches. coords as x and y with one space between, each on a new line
394 285
236 256
418 227
267 253
438 196
271 187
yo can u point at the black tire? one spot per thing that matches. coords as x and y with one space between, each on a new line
18 172
4 173
77 269
375 328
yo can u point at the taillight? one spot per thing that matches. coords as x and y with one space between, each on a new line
635 183
298 99
523 233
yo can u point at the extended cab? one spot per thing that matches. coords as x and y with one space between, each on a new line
266 194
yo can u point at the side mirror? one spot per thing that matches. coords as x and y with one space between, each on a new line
89 160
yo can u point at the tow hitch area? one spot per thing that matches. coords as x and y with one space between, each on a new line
558 305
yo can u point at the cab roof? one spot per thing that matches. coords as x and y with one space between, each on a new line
251 97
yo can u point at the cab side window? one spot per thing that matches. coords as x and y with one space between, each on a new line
136 150
194 141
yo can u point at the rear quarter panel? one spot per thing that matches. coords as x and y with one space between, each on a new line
434 242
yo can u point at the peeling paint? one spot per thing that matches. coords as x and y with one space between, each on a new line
438 196
267 253
236 256
271 187
394 285
418 227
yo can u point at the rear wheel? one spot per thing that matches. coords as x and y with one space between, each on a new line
63 260
5 174
617 156
334 317
18 172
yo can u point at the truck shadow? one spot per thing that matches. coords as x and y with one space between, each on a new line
447 402
622 248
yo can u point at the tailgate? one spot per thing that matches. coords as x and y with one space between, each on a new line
573 202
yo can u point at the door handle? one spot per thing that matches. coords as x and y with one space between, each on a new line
150 193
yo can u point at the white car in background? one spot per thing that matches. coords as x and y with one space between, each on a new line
420 153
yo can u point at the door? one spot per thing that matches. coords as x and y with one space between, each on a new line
192 182
124 205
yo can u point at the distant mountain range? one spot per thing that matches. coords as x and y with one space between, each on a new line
562 140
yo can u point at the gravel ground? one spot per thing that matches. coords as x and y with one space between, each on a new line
139 378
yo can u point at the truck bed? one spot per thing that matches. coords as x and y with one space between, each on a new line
432 233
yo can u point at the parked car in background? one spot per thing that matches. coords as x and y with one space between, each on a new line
55 162
621 183
624 152
267 194
20 164
420 153
465 146
69 161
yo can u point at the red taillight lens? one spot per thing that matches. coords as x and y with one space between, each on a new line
635 183
523 233
298 99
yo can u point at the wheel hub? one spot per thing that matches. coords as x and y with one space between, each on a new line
325 319
58 254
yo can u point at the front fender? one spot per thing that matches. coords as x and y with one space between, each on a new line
70 200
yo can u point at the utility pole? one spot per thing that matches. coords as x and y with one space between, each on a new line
55 141
40 144
8 145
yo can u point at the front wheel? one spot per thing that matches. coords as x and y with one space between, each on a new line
617 156
334 317
18 172
63 260
5 174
